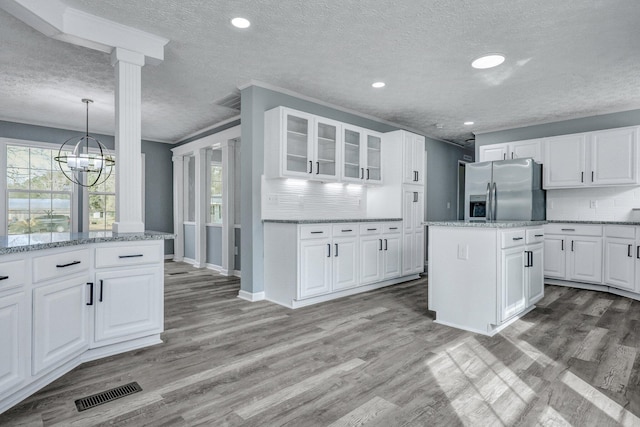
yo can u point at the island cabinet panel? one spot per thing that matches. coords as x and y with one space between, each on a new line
482 277
14 341
60 322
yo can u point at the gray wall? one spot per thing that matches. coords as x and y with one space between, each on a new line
586 124
189 241
442 165
158 170
214 245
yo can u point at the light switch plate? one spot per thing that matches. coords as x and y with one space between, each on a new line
593 204
463 252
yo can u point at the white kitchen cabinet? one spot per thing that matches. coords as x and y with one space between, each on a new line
14 339
60 322
391 253
413 216
513 297
535 273
315 267
362 155
592 159
412 158
512 150
370 260
576 250
619 263
301 145
614 156
345 262
128 304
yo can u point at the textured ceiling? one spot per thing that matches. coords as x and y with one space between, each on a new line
564 60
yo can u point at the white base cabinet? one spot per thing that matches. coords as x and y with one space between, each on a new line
483 278
60 307
331 260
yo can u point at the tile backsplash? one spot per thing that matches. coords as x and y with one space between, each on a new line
597 204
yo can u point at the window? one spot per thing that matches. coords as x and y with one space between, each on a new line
39 196
190 188
215 209
102 204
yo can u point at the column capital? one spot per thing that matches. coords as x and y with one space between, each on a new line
119 54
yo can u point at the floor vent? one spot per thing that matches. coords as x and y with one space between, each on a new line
107 396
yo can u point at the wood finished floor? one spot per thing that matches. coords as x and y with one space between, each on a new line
370 359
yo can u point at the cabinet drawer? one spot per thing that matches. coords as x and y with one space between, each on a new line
315 231
342 230
60 264
621 231
577 229
391 228
512 238
370 228
535 235
12 274
123 255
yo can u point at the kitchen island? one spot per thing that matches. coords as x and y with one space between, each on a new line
67 298
484 275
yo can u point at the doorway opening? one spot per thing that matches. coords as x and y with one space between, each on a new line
461 170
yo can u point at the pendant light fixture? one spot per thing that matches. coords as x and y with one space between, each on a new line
90 163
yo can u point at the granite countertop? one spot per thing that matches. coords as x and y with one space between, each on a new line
562 221
329 221
32 242
483 224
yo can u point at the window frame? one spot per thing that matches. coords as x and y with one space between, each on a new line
4 143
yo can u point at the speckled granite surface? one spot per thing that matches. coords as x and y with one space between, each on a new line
329 221
554 221
33 242
481 224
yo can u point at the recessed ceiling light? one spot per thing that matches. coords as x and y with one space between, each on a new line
378 85
468 123
240 23
488 61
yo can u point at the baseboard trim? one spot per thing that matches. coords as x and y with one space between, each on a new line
169 256
189 261
593 287
491 329
252 297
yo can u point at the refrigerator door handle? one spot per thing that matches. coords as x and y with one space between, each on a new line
488 205
494 204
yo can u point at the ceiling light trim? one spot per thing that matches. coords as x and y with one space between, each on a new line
488 60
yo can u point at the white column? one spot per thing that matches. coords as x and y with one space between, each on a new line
128 68
228 212
178 207
202 204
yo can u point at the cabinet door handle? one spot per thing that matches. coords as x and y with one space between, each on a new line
4 277
562 245
531 262
380 244
504 156
568 229
629 251
581 176
346 231
90 294
591 176
310 166
512 155
101 286
317 232
572 246
517 238
371 229
393 228
367 173
68 265
415 196
539 235
638 251
336 250
317 168
131 256
526 263
385 244
361 173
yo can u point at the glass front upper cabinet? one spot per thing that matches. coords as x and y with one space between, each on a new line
297 145
326 150
374 158
352 157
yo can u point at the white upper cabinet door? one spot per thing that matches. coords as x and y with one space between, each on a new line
493 152
614 157
297 151
352 154
326 150
413 158
619 263
373 159
525 149
564 161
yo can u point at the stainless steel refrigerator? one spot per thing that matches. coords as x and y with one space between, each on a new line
506 190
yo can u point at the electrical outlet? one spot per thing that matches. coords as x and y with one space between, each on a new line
448 205
272 198
463 252
593 204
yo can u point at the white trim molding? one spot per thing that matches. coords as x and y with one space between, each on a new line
251 296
